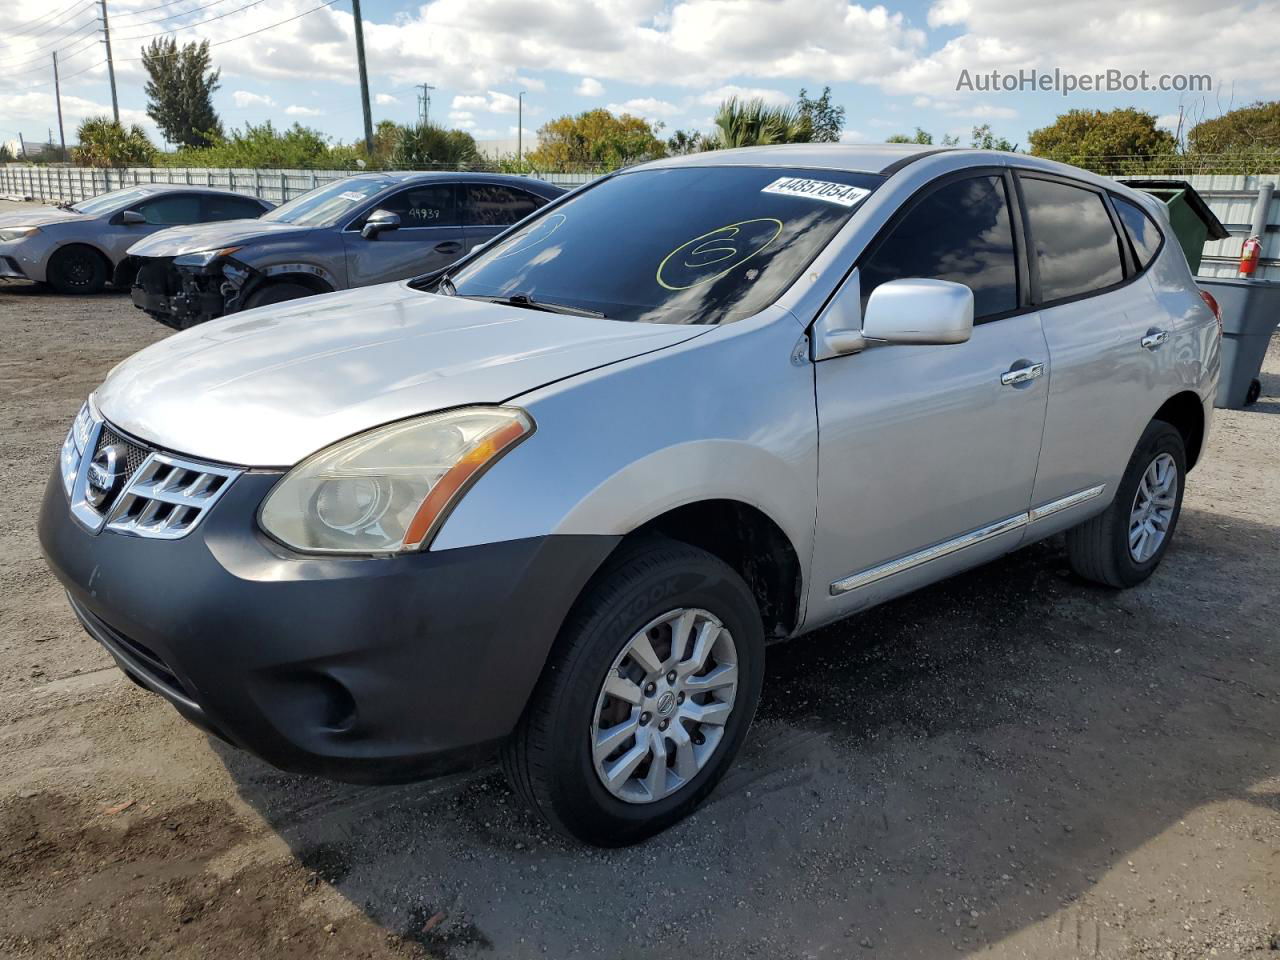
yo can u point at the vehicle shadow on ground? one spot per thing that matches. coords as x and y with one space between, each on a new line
932 776
25 288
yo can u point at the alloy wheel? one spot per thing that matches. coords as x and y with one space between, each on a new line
662 709
1151 515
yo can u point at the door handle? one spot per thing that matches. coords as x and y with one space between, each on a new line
448 246
1022 375
1154 338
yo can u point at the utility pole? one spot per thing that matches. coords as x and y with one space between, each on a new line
424 102
111 67
364 76
57 95
520 125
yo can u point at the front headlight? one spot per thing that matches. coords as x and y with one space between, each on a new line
388 490
16 233
202 258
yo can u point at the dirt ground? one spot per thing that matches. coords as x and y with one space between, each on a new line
1012 764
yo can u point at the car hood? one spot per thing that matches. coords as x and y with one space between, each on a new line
195 237
37 216
270 386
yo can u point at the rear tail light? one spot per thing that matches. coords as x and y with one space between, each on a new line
1212 304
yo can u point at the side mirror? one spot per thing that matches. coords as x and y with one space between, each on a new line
131 218
915 311
919 311
378 221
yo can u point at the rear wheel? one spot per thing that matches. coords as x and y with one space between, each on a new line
77 270
1122 546
646 698
277 293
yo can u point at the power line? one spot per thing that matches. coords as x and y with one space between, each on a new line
188 26
184 13
43 50
27 27
158 6
269 26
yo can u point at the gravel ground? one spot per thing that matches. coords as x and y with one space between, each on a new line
1011 763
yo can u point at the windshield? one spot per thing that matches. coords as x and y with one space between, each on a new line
685 245
325 206
115 200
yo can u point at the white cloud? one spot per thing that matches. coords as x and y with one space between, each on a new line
493 101
531 83
589 87
294 110
463 119
646 107
246 98
713 98
384 99
853 136
963 108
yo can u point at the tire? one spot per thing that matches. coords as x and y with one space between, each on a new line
550 760
277 293
1253 393
77 269
1099 549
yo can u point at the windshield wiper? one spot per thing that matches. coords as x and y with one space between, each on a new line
527 302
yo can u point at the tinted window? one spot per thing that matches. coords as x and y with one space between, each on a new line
492 205
172 208
1142 230
218 207
682 245
1076 247
115 200
427 205
959 232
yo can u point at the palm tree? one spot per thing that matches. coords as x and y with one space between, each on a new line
750 123
428 145
106 143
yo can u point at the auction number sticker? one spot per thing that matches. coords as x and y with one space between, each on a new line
841 193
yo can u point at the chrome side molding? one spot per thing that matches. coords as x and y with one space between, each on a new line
1065 503
962 542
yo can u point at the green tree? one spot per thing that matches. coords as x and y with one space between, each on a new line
105 143
826 121
427 145
595 138
1104 141
261 146
750 123
684 141
921 136
984 139
1245 130
6 155
180 92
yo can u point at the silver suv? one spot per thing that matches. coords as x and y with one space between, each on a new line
555 501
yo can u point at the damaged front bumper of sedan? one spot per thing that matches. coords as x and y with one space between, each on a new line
186 290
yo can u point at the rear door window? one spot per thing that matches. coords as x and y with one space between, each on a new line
496 205
1142 230
171 209
219 207
959 232
1075 245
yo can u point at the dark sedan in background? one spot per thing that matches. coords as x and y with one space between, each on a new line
366 229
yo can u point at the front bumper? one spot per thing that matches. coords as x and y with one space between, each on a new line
370 670
181 297
10 269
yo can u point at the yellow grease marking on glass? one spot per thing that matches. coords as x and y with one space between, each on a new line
535 236
710 247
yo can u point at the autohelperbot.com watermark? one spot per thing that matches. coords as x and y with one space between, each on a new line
1066 82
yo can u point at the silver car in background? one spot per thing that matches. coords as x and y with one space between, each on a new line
77 247
554 501
366 229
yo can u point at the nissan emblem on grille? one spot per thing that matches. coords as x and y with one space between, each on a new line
106 473
126 488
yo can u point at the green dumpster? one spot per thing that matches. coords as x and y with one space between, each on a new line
1193 222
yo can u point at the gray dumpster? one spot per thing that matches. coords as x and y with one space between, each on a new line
1250 313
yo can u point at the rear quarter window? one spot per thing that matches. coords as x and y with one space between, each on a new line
1141 229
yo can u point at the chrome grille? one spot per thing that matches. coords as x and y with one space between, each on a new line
160 495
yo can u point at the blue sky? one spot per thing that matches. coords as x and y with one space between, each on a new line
892 66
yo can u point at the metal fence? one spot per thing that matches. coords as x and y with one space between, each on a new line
1232 199
53 183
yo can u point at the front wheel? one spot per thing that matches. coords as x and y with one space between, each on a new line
277 293
1122 546
645 699
77 270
